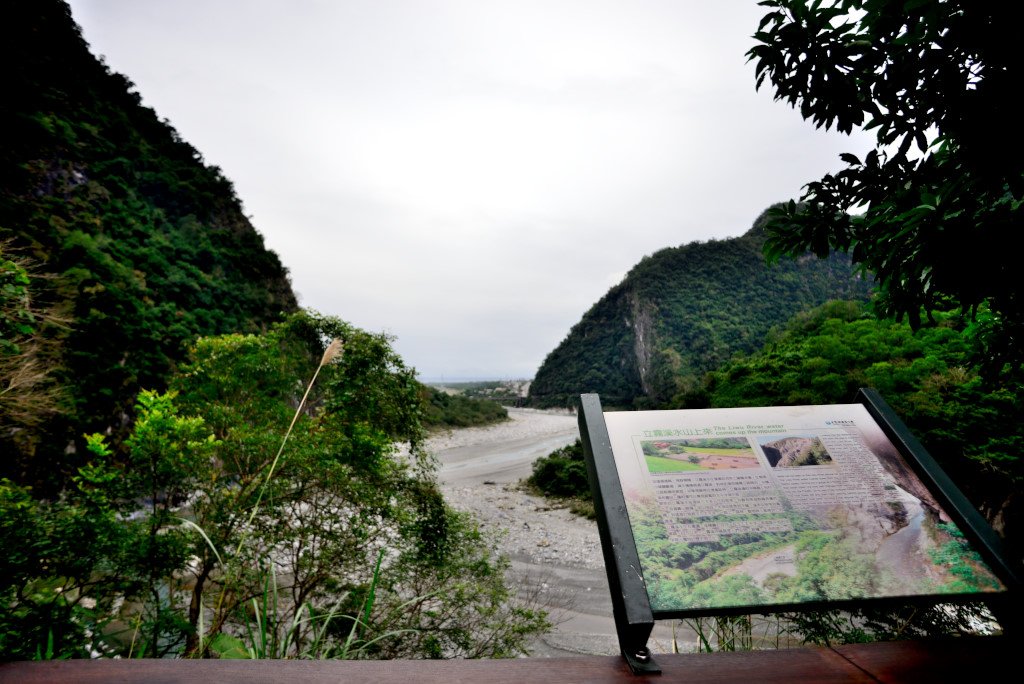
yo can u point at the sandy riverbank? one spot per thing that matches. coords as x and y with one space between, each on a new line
522 422
479 472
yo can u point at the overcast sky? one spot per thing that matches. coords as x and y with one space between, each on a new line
470 176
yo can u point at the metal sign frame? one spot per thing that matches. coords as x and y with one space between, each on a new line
634 617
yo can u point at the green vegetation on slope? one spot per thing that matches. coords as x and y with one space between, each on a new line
151 360
144 246
678 314
443 410
932 210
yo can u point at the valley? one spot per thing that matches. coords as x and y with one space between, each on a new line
556 556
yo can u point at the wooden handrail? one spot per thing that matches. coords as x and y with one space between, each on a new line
933 661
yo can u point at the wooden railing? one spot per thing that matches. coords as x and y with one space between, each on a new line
956 660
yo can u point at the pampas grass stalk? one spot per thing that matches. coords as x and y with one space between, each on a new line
333 350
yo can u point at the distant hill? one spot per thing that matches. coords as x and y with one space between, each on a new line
137 244
680 313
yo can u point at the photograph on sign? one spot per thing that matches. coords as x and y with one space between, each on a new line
782 505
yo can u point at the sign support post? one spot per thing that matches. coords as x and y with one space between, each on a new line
631 606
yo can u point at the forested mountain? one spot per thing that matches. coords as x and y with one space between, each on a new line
681 312
154 366
133 245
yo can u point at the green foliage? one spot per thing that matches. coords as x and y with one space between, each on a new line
327 544
443 410
937 80
53 602
145 246
69 561
341 457
562 473
970 426
678 314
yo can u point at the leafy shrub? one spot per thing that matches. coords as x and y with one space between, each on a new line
562 473
440 409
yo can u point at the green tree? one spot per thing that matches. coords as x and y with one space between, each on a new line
53 600
562 473
941 195
312 523
326 535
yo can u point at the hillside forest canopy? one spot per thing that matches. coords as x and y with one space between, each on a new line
153 500
679 313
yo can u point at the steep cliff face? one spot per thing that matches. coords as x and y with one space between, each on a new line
600 358
679 313
642 322
144 246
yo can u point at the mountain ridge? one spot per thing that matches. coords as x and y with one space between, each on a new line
679 313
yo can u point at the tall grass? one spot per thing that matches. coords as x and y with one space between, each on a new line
225 642
333 350
266 637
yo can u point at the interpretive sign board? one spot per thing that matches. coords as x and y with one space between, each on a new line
764 509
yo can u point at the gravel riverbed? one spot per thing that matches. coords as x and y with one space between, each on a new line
480 471
555 555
